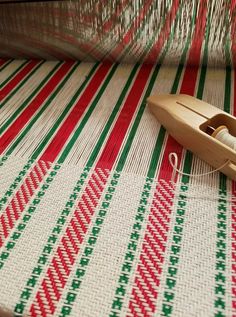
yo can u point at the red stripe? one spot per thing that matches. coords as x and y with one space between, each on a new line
155 238
130 33
164 33
34 178
34 105
17 79
233 215
106 29
116 137
233 248
71 121
69 246
67 250
21 198
3 61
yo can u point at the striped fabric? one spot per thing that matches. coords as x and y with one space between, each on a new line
118 30
90 222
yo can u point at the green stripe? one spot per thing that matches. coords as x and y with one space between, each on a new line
27 101
87 116
202 78
134 128
136 37
183 56
64 113
11 189
221 248
13 74
160 139
126 268
6 64
81 270
222 219
112 117
227 89
22 82
156 153
54 236
170 284
29 210
38 114
170 39
111 188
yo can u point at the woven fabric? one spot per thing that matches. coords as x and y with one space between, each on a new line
90 223
127 30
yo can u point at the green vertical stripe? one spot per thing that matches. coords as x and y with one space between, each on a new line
221 229
227 89
64 113
6 64
27 101
202 78
42 260
134 128
38 114
123 280
170 283
87 115
113 116
107 197
160 138
21 84
13 74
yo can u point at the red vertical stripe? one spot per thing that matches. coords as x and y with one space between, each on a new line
148 274
17 79
129 34
164 33
34 105
233 215
116 137
71 121
16 206
3 61
188 82
233 250
32 182
45 302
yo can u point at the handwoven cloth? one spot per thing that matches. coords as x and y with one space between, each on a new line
118 30
90 222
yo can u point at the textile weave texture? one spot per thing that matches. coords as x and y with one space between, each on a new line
90 222
119 30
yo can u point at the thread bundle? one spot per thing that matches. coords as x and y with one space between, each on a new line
221 134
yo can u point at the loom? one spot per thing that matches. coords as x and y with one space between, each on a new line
94 97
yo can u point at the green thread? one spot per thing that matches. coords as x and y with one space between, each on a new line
28 100
13 74
10 191
21 84
42 109
11 242
19 308
52 239
220 277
